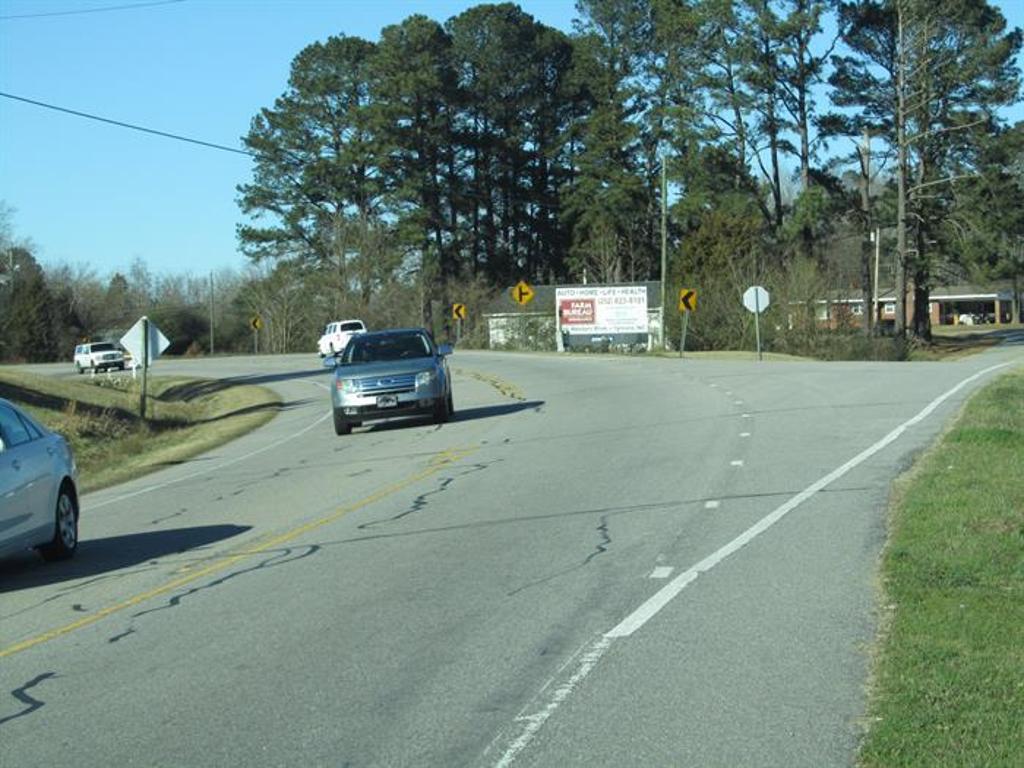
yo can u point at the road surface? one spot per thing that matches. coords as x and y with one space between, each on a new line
601 561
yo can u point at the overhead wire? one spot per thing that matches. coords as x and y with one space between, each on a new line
132 126
130 6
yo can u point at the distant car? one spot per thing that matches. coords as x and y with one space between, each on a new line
384 374
336 336
38 487
98 356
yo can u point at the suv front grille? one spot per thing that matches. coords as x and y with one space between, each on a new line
388 385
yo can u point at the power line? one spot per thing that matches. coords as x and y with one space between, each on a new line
89 10
133 127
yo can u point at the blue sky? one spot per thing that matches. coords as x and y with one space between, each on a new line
89 193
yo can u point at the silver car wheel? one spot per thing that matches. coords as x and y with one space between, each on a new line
66 524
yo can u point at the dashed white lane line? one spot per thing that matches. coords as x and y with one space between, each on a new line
661 598
736 462
744 434
713 504
738 402
745 415
661 572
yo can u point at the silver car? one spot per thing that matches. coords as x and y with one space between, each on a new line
384 374
38 487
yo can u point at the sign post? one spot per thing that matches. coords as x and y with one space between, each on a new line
145 366
146 343
458 315
756 300
256 322
522 294
687 304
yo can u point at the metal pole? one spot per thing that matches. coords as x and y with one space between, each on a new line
458 330
664 248
211 313
145 366
682 339
757 320
878 247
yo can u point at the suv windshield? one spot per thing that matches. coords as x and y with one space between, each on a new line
375 349
351 326
103 347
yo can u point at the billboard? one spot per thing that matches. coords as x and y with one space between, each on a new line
602 310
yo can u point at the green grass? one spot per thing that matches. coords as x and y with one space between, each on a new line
185 417
948 685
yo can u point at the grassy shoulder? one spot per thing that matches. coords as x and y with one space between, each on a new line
948 686
99 417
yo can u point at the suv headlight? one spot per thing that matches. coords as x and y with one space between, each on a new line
347 386
425 378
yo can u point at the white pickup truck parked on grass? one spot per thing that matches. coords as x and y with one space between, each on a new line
337 334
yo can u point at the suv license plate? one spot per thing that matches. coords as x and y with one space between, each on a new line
387 401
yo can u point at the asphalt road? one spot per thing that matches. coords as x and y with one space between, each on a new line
613 561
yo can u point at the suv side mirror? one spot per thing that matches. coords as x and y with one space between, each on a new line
444 350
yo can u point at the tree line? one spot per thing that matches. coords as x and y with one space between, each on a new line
444 161
492 147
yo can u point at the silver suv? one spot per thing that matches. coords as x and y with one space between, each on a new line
98 356
383 374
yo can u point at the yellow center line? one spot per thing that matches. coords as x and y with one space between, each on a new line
438 463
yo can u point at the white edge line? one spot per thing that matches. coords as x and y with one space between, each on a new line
534 722
208 470
661 598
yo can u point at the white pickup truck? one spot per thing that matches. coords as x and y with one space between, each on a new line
337 334
98 356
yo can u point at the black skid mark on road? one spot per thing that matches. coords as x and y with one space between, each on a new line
66 591
602 546
180 512
122 636
22 695
605 541
417 504
281 557
421 501
360 472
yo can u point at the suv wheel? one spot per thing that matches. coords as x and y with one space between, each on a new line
341 425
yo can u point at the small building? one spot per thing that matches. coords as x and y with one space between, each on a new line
948 305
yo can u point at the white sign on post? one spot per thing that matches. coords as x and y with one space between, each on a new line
132 341
755 298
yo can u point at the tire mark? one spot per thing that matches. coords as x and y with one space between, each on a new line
22 695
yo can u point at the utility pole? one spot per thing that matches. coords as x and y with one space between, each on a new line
211 313
901 178
866 237
876 235
664 250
